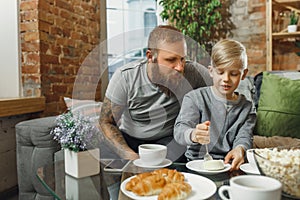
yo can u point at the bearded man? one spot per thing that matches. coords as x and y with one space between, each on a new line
143 99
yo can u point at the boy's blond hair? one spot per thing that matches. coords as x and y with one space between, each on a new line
227 52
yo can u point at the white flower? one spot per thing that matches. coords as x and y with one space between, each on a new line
74 131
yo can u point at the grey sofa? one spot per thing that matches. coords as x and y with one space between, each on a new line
35 148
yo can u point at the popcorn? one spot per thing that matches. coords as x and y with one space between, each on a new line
283 165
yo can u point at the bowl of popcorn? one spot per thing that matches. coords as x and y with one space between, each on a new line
283 164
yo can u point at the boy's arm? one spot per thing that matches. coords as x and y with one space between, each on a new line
186 121
110 115
243 141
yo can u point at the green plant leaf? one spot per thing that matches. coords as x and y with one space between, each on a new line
196 19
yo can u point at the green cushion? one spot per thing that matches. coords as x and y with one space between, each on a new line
278 110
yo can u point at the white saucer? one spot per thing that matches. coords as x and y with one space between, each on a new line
139 163
246 167
197 165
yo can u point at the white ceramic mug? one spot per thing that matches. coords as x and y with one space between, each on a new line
252 187
152 154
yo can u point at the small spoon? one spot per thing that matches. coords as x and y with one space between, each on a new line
207 156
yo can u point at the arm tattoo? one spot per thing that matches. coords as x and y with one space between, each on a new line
109 117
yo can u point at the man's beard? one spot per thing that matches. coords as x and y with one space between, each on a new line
168 82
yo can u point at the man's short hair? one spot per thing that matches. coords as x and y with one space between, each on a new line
164 33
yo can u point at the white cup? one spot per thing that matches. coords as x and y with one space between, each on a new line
152 154
251 187
251 159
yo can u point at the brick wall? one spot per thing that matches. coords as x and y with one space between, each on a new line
56 38
284 57
30 46
249 18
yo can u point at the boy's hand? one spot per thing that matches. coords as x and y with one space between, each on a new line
237 157
201 133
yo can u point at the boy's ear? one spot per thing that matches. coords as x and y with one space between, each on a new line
245 71
210 70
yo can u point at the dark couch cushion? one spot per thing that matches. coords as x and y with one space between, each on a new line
247 88
278 110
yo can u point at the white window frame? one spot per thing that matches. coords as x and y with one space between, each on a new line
10 81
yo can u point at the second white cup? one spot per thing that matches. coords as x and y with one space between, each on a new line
152 154
251 187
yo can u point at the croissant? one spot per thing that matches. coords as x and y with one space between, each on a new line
136 180
171 175
150 185
153 183
175 191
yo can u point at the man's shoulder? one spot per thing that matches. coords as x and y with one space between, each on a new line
191 65
135 65
197 74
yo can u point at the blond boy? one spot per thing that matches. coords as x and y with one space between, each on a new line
217 115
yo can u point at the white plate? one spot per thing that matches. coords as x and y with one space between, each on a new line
246 167
202 188
197 165
139 163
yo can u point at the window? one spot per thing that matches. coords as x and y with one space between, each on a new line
9 49
150 20
128 26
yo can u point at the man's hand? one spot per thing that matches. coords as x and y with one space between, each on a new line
201 133
131 156
237 157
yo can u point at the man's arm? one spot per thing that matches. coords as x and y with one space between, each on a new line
110 115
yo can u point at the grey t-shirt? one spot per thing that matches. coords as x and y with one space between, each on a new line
149 113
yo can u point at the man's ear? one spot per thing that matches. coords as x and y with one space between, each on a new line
245 71
210 70
149 56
